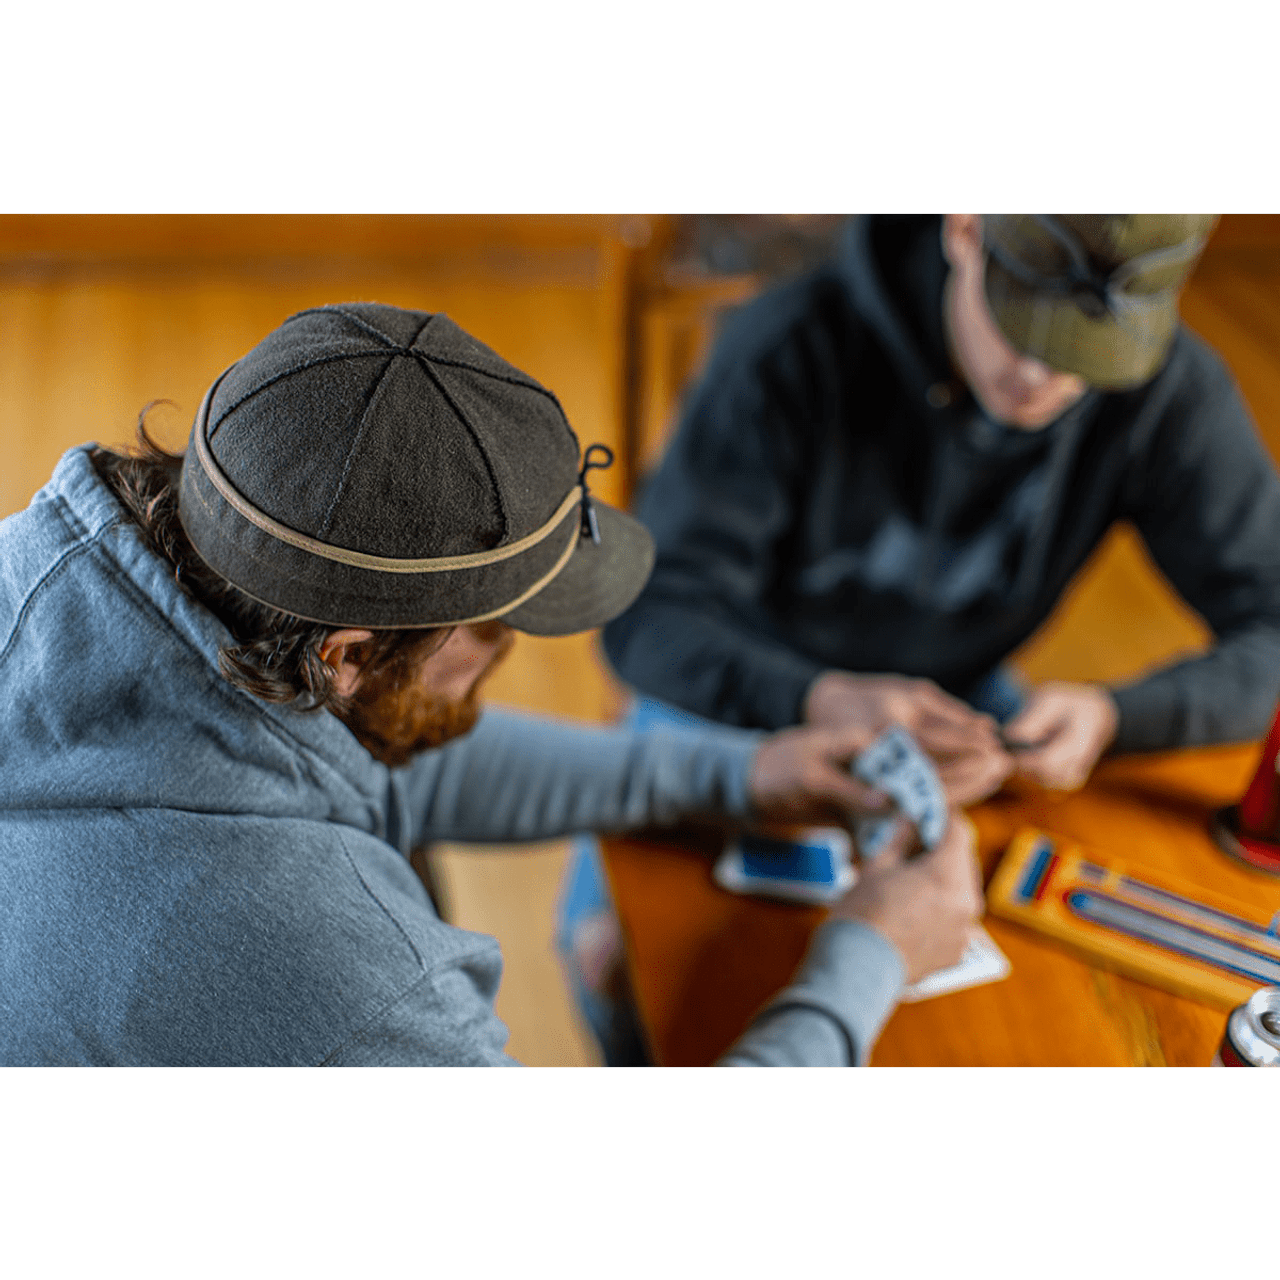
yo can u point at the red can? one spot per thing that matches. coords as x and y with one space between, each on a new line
1252 1037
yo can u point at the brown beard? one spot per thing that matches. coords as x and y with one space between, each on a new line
395 718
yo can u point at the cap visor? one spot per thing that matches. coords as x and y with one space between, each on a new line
597 583
1106 353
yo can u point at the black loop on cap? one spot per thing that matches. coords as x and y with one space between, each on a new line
590 525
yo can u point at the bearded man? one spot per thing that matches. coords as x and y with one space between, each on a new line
241 685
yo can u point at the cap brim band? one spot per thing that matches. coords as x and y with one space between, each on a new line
559 584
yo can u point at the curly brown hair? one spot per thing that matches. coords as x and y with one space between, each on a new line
275 655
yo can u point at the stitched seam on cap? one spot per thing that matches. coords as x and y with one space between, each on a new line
355 444
397 349
527 383
360 323
422 328
475 436
507 378
299 368
425 325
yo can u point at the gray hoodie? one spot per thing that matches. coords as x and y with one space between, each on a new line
189 875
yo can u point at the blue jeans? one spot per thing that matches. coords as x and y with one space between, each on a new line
1001 694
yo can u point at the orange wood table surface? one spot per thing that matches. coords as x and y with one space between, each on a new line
704 960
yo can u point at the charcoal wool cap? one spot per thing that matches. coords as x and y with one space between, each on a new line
1092 294
367 466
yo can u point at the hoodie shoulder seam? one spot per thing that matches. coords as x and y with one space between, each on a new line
362 1034
363 1030
382 906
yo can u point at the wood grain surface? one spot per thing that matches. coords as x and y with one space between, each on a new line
704 960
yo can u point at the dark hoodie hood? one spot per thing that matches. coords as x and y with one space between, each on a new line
895 272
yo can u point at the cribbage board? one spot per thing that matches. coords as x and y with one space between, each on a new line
1154 928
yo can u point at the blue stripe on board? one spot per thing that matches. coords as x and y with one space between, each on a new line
1035 872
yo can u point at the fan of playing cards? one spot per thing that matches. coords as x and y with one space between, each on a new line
818 867
895 765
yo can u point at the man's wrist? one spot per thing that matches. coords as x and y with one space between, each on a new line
814 707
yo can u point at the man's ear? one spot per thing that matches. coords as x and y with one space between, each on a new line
961 237
336 651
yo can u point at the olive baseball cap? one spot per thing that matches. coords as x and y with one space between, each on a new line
1092 294
368 466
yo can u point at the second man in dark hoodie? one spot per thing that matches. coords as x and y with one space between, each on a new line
893 467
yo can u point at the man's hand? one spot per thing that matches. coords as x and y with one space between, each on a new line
964 745
803 775
925 906
1067 727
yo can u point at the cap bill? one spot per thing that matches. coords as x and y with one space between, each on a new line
598 582
1110 352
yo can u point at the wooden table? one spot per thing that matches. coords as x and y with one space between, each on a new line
704 960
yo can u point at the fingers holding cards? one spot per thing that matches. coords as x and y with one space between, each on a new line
894 765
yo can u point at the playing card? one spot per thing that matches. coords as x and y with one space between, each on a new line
982 962
894 764
816 866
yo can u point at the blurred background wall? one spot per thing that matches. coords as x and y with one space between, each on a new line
101 315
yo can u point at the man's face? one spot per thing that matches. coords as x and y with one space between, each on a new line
1013 388
416 703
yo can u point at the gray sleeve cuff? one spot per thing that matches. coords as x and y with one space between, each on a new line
832 1013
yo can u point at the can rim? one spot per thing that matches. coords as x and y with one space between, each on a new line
1249 1035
